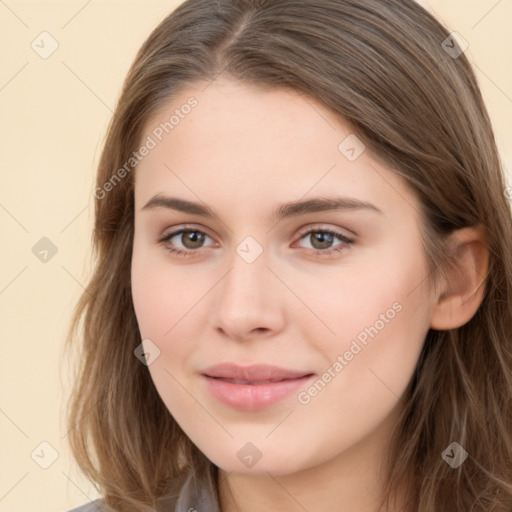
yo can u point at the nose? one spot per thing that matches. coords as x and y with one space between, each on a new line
250 300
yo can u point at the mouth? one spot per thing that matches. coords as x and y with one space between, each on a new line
253 387
253 374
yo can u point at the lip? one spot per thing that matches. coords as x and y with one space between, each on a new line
252 387
254 373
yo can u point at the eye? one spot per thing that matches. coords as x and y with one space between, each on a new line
192 239
322 240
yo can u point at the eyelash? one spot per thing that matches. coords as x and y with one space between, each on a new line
319 252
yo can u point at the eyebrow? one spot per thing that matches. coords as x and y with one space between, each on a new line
285 210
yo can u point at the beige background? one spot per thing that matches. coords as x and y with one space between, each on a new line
54 115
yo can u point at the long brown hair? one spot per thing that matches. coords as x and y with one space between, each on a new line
385 67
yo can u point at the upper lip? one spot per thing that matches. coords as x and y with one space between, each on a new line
253 373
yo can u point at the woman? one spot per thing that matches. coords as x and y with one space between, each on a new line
226 365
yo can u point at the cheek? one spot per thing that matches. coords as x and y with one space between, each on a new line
165 296
377 316
147 294
343 303
391 333
163 303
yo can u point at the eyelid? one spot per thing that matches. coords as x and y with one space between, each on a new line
324 227
184 227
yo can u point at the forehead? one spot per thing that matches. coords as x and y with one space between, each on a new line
284 120
243 143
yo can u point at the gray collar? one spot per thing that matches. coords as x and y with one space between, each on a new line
198 494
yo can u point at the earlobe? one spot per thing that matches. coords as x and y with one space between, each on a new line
464 287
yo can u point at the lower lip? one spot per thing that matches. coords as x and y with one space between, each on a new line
251 397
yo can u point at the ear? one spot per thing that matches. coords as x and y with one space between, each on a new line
463 289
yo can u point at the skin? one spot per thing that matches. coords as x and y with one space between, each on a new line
242 151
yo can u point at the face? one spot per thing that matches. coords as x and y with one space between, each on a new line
334 293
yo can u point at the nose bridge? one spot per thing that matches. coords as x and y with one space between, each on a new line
246 281
246 297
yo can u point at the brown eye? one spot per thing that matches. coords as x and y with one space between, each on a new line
321 241
184 241
192 239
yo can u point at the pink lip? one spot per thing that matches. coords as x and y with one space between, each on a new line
252 387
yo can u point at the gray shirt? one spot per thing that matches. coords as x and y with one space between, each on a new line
196 495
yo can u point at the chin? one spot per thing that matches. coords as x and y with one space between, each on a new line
260 465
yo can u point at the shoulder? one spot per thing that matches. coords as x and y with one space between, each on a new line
93 506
